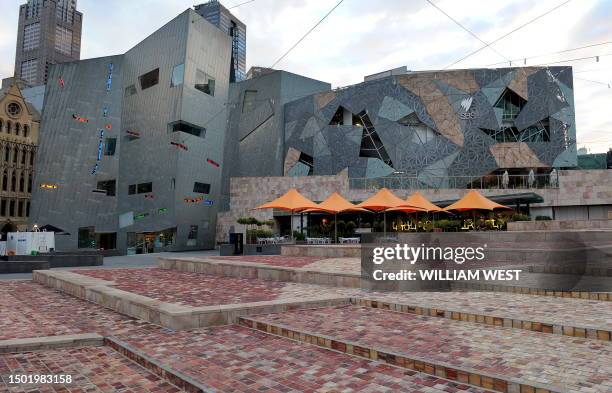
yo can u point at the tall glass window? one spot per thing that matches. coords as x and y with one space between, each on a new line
63 40
178 75
31 36
28 70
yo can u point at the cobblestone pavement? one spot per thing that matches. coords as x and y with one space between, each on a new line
28 309
558 361
197 289
92 369
555 310
232 358
227 358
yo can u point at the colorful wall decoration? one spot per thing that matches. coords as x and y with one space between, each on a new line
80 119
193 200
109 80
180 145
100 150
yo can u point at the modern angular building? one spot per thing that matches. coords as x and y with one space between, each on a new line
254 142
436 131
131 145
49 32
214 12
441 128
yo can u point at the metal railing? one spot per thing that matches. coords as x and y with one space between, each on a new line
522 182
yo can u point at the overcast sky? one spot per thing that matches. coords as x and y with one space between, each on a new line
366 36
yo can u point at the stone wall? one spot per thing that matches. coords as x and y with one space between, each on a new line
248 192
560 225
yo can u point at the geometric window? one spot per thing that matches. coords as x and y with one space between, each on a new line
511 103
178 74
107 185
130 90
110 146
338 117
538 132
204 82
141 188
371 145
201 188
308 161
145 187
181 126
149 79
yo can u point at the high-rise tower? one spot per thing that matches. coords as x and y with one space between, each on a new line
49 33
218 15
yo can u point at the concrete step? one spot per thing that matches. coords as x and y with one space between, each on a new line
547 284
563 316
496 358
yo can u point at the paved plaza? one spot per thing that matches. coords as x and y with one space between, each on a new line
422 342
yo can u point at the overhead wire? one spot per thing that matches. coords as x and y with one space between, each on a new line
279 59
509 33
552 53
466 29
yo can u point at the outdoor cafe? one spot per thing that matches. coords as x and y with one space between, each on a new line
337 220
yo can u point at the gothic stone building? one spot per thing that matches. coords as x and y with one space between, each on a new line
19 123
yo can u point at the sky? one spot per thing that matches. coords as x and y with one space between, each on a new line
362 37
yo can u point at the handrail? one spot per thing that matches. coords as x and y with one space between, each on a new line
524 182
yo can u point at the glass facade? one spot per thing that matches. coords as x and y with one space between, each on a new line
63 40
31 36
220 16
28 70
178 75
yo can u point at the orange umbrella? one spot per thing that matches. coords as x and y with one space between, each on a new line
417 200
474 200
291 201
335 203
384 200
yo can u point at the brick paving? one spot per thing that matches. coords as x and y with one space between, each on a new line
229 358
562 362
233 358
28 309
93 369
197 289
